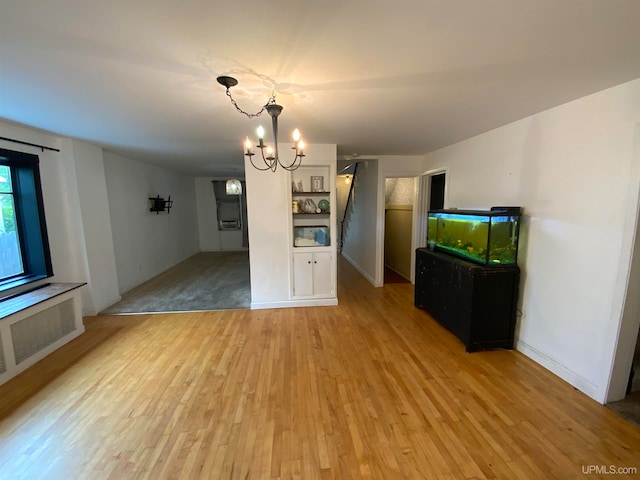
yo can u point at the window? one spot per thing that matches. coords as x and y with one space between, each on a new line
11 260
24 247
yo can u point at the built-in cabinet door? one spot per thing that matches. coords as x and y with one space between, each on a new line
302 274
322 273
312 274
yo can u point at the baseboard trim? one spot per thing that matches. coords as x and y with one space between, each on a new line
578 381
316 302
103 306
362 272
398 272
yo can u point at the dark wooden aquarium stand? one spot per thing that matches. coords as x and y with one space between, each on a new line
477 303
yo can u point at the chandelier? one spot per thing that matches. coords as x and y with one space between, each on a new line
269 155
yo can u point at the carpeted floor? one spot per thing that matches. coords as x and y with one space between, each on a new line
206 281
628 408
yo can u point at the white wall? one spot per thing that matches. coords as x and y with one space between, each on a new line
146 244
211 239
96 225
574 171
71 227
397 239
362 228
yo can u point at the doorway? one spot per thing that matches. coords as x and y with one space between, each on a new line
429 192
432 195
398 229
436 191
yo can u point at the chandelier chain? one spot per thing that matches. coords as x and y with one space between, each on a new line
271 160
271 101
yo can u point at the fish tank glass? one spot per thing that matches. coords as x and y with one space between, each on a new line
487 237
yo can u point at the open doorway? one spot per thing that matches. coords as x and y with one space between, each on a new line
428 192
436 190
215 278
624 388
432 195
634 376
398 229
627 402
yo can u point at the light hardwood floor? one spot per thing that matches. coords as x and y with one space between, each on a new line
372 388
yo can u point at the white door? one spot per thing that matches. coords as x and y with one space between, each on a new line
302 274
322 274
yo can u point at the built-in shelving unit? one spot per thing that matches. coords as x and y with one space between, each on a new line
313 233
311 206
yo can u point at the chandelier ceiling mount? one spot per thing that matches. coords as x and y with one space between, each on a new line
270 156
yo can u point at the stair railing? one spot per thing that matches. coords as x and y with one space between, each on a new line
346 208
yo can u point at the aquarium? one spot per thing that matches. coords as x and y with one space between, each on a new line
311 236
488 237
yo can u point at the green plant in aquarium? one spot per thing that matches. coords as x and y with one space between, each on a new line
503 255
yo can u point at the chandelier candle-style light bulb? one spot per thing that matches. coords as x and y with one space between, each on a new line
260 132
271 160
298 144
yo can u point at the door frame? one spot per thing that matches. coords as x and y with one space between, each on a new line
418 220
413 222
422 205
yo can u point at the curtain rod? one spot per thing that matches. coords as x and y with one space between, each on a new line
30 144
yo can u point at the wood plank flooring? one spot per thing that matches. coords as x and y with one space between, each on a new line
372 388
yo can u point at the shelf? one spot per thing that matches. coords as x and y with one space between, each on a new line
311 214
310 193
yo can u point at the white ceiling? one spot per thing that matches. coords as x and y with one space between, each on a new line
374 77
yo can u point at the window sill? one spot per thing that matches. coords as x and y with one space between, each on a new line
16 286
